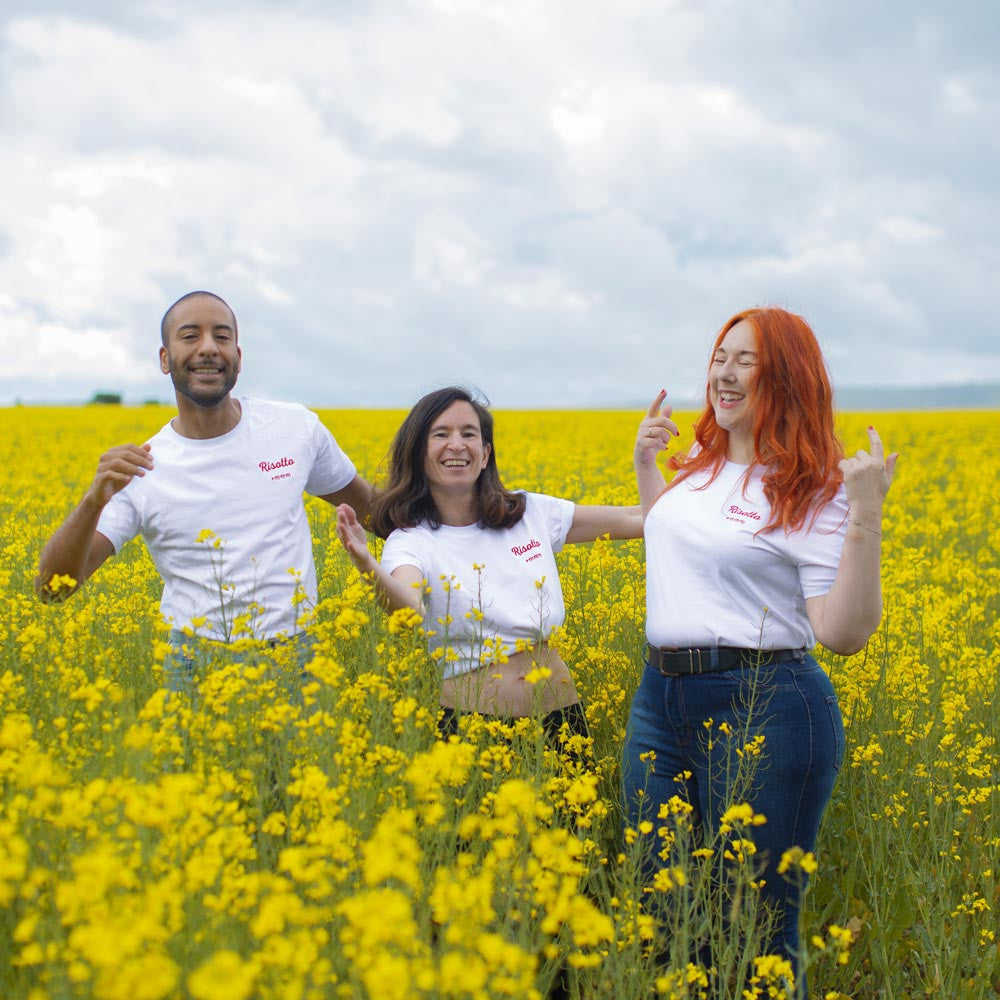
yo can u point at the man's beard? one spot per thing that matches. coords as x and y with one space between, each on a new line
207 398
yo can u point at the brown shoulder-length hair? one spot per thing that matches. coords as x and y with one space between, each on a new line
406 498
793 421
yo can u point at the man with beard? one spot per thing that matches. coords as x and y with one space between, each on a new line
217 497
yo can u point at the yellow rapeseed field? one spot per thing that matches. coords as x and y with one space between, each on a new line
251 842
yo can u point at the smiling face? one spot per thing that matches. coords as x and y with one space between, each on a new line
200 353
731 380
456 454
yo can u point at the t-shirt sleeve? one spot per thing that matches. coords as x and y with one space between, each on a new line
119 521
558 515
403 548
331 470
817 548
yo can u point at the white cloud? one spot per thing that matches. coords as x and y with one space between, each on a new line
33 348
446 251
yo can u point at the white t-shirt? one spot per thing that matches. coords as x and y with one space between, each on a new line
246 487
710 581
484 582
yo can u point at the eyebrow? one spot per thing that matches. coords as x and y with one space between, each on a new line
197 326
463 427
739 354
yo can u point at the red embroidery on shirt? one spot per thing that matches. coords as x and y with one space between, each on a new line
520 550
282 463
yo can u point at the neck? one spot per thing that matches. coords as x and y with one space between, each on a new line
739 449
455 510
203 422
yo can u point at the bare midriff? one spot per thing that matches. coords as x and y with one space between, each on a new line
503 688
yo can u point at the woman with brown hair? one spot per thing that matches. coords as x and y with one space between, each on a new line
477 561
766 541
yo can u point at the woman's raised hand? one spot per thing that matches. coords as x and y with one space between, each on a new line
352 537
655 432
867 477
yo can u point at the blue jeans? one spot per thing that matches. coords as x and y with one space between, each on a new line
792 704
189 657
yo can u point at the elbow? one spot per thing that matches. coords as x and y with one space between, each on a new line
845 630
845 647
849 642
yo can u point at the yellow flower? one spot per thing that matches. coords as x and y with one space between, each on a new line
224 976
795 857
740 814
57 583
403 620
537 674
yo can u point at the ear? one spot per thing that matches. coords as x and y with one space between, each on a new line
239 359
164 361
487 451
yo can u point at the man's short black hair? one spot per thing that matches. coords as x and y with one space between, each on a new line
165 322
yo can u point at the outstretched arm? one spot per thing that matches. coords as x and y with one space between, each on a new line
655 432
399 589
77 548
591 522
845 618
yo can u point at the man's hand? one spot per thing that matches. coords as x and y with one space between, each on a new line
77 548
116 469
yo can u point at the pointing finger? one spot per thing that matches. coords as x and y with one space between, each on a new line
876 443
654 407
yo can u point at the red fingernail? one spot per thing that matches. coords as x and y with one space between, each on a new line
870 427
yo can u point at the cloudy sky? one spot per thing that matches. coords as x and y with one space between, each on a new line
558 201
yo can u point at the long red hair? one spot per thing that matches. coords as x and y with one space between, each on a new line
793 433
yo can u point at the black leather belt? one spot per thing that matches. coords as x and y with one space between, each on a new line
699 659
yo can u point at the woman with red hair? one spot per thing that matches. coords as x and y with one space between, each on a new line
766 541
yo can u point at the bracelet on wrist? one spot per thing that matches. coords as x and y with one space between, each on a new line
860 524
